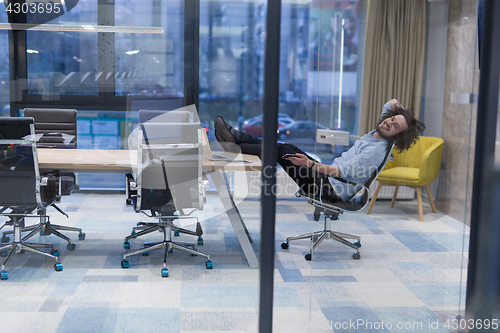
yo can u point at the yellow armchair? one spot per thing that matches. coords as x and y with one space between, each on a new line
416 167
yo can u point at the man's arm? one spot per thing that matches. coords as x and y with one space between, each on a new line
329 170
390 105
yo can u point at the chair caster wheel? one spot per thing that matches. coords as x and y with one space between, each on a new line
145 254
284 245
171 251
133 232
164 272
126 245
356 256
71 246
176 233
4 275
54 252
308 256
125 264
200 241
42 233
209 264
357 244
58 267
5 239
81 236
22 251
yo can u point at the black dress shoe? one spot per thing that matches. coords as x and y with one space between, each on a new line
224 135
224 131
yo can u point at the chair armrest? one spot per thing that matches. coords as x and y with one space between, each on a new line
130 188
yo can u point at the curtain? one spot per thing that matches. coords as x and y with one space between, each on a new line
394 58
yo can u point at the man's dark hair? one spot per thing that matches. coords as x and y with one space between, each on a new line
405 139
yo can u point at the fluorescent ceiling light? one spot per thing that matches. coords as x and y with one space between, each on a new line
30 51
132 52
81 28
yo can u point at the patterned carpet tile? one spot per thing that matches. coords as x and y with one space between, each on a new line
409 272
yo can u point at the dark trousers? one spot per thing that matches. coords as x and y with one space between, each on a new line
306 178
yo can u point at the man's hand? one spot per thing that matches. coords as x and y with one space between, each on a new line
300 159
394 103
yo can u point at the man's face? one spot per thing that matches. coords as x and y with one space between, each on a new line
392 126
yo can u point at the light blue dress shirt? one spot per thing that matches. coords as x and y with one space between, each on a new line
359 162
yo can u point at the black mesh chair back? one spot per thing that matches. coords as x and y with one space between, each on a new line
170 167
19 172
57 126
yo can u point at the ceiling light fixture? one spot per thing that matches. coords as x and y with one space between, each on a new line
81 28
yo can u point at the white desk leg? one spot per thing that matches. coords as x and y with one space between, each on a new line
235 218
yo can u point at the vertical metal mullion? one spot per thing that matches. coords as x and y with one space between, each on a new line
482 277
269 159
192 52
106 51
18 73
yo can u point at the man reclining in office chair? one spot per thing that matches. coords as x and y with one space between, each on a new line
396 125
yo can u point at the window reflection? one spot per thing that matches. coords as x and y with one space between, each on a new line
64 63
149 64
318 64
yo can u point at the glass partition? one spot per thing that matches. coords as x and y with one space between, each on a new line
410 275
146 64
4 69
64 63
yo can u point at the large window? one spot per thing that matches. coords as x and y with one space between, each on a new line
319 72
148 63
64 63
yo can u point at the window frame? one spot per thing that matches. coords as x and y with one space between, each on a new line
105 100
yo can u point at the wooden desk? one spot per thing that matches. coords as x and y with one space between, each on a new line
103 160
124 161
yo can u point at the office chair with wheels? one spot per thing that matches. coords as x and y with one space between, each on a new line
326 202
24 192
168 183
416 167
159 116
55 128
